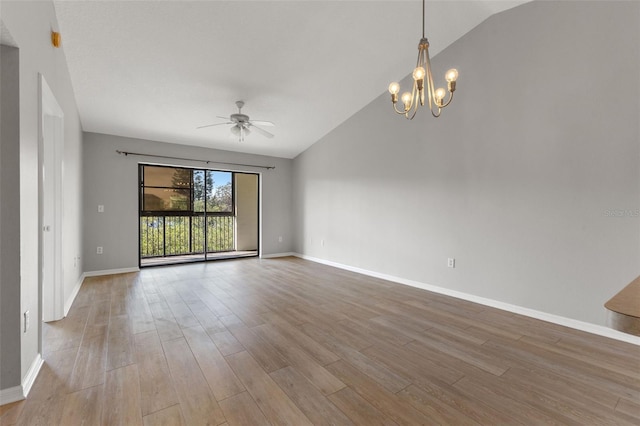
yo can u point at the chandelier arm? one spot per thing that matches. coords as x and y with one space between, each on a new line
432 88
449 101
396 110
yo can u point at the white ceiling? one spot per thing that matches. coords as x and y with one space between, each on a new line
158 69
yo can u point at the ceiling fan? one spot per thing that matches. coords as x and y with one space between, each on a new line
241 125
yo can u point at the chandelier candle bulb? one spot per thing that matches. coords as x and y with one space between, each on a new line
451 75
394 88
406 100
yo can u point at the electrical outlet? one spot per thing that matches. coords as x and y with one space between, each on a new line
280 239
99 250
26 321
451 263
100 208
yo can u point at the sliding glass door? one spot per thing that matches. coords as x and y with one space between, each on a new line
191 214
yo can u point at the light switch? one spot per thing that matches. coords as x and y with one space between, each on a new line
100 208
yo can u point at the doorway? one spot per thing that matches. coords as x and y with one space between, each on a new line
189 215
51 148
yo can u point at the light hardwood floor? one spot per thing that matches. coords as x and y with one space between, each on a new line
291 342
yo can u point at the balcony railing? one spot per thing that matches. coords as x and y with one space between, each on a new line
183 235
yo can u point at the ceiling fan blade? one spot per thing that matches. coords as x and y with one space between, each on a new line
263 123
224 118
262 131
211 125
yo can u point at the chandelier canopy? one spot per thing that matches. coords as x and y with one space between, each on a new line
414 99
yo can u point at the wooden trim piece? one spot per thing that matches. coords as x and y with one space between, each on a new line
627 301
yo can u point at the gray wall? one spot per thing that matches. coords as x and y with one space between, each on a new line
530 179
30 24
111 179
9 216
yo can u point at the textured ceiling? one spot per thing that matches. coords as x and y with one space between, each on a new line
159 69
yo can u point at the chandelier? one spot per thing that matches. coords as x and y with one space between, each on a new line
414 99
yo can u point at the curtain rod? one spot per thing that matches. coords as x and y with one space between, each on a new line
125 153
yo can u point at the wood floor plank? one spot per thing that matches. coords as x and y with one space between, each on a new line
412 364
156 387
198 405
609 352
9 413
308 398
388 403
630 408
120 344
261 350
520 353
221 379
226 342
207 319
241 410
83 407
631 373
122 397
274 403
564 385
372 368
99 313
140 317
307 366
183 315
510 410
316 350
358 409
54 378
66 334
171 416
379 332
42 412
564 397
430 386
437 411
89 369
470 354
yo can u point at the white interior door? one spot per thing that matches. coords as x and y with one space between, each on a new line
51 202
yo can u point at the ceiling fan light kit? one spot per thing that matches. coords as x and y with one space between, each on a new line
413 100
241 124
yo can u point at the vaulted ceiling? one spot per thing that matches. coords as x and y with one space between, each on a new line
159 69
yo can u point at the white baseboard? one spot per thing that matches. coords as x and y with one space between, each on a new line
30 378
9 395
72 296
544 316
111 272
274 255
18 393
